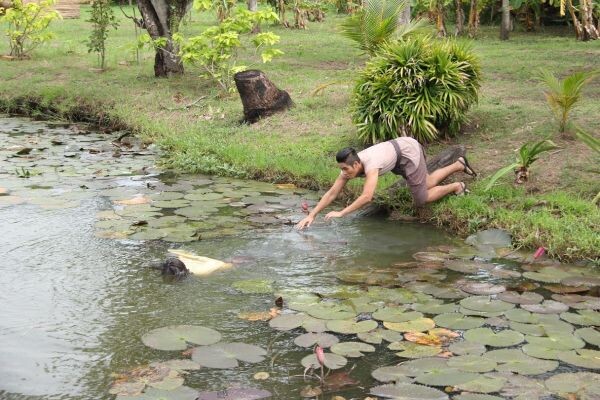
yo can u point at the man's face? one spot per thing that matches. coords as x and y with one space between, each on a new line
350 171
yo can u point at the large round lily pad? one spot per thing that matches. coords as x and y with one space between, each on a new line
547 307
486 314
514 360
226 355
378 335
435 308
590 335
150 393
326 310
584 358
324 340
488 337
558 341
349 327
177 337
583 385
483 384
332 361
391 374
548 275
524 298
408 391
486 304
544 353
465 347
414 350
417 325
521 387
481 288
352 349
458 321
234 393
476 396
447 377
472 363
582 317
416 367
395 314
287 322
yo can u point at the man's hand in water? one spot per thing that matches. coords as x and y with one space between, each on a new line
305 223
333 214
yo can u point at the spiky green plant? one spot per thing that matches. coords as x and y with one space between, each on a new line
594 144
376 23
563 95
419 87
527 155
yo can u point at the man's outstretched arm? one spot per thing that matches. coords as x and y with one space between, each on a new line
326 200
365 198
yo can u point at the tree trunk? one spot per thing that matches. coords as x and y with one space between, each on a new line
460 18
590 32
440 24
253 7
404 16
162 19
260 97
473 19
505 25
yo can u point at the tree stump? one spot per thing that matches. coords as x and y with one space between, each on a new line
260 97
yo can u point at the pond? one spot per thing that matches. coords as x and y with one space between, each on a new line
84 216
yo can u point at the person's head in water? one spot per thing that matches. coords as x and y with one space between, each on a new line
349 162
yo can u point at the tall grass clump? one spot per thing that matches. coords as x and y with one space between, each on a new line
418 86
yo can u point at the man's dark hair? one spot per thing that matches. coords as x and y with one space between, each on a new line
347 155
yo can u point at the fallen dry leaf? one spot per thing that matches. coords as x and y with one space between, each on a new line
260 315
422 338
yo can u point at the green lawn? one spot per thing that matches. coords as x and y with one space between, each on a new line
554 210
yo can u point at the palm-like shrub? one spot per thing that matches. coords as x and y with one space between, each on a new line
376 23
562 96
419 87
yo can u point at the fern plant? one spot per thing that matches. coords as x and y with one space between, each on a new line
376 23
563 95
527 155
419 87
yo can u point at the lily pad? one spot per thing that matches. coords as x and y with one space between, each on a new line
395 314
416 367
583 317
524 298
314 325
474 313
179 203
485 304
589 281
414 350
447 377
417 325
235 393
458 321
333 311
352 349
476 396
435 308
481 288
408 391
584 358
398 295
349 327
177 337
324 340
472 363
583 385
521 387
590 335
544 353
488 337
378 335
196 213
466 347
254 286
483 384
514 360
181 393
287 322
226 355
467 267
543 328
332 361
579 302
548 275
391 374
547 307
523 316
558 341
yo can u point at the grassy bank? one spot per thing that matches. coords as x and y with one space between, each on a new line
554 210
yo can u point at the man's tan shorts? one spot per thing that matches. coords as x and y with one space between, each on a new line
417 182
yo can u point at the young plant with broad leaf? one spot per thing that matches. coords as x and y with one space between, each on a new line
526 156
563 95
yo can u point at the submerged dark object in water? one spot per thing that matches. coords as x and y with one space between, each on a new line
174 268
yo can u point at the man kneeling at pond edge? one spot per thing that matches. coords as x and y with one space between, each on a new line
402 156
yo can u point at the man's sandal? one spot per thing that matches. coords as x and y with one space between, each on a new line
463 190
467 167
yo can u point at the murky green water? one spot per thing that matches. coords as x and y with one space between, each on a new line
77 291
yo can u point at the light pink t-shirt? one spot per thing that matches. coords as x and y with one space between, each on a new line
382 156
